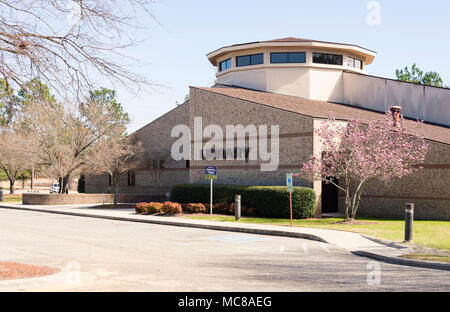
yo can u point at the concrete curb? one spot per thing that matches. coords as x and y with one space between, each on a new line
385 242
229 228
402 261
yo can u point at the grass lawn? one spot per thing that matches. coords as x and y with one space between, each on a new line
427 257
435 234
12 199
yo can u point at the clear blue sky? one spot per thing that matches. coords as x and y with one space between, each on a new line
174 54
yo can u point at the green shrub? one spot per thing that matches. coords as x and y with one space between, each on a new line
81 184
222 208
194 208
265 201
245 211
171 208
249 211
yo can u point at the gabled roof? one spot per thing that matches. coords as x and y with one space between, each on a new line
290 39
317 109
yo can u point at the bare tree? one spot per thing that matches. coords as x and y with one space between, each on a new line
155 165
116 156
14 155
155 173
65 138
69 42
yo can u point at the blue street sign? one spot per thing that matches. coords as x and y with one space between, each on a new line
211 172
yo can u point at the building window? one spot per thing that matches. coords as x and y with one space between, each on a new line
331 59
288 57
355 63
188 164
131 178
156 164
247 60
224 65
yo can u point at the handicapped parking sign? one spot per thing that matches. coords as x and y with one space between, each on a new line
289 182
290 189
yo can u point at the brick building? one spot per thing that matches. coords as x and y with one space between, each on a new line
294 84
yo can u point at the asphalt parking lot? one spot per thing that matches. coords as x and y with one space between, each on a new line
106 255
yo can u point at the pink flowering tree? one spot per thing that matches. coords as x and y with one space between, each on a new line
357 154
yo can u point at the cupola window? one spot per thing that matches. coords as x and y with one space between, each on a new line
355 63
224 65
287 57
247 60
330 59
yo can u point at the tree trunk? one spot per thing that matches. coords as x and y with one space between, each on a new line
32 178
66 188
116 194
65 185
60 181
11 186
346 207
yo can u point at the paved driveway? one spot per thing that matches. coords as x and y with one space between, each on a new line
128 256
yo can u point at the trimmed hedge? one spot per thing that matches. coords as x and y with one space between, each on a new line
268 201
82 184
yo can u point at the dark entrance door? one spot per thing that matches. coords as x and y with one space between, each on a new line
329 197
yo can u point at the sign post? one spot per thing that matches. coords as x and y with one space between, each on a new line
290 188
211 201
211 174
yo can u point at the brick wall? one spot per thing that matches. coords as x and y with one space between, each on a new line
428 189
295 134
81 199
157 141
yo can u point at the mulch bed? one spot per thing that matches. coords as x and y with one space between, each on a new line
13 271
111 206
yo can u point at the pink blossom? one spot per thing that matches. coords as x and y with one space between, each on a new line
358 153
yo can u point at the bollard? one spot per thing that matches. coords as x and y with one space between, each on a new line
237 207
409 218
1 195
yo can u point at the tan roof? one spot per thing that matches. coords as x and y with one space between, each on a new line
290 39
318 109
368 54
